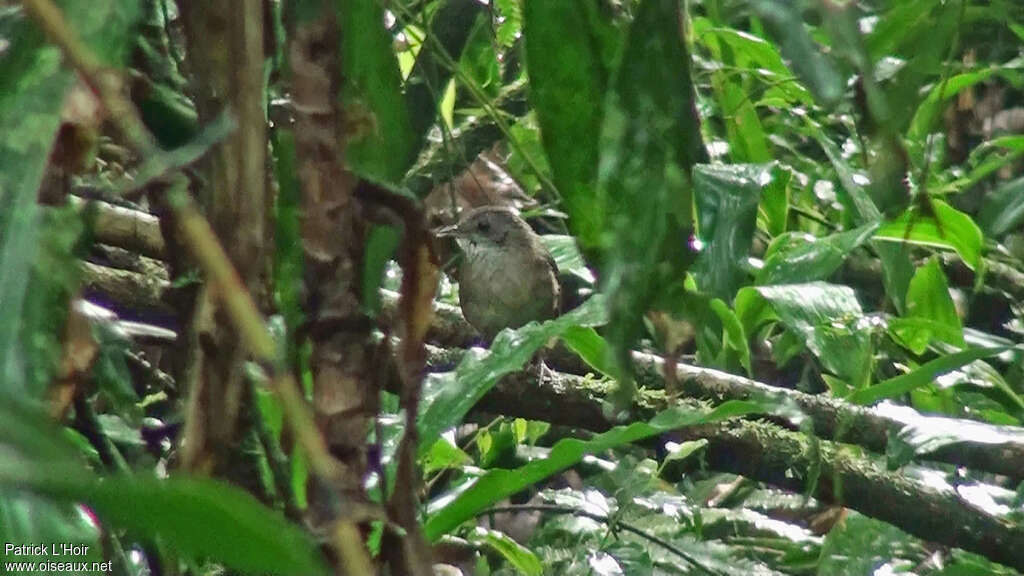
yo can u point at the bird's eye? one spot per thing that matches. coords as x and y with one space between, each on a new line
483 226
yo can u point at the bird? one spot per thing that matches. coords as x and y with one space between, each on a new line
507 278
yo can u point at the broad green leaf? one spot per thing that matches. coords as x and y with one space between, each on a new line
679 452
748 142
381 243
830 320
794 257
568 79
928 299
498 484
923 375
383 147
1003 209
947 228
926 434
31 519
448 397
727 198
524 561
33 86
591 347
893 28
200 518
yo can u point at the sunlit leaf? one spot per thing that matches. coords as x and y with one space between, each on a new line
922 376
928 299
946 228
827 316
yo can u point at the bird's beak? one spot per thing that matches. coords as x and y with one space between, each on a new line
448 231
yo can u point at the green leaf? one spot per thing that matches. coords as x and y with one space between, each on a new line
946 227
735 337
1003 209
649 144
32 87
923 375
525 561
568 79
567 256
454 25
828 317
773 211
448 397
929 110
928 299
443 455
795 257
591 347
498 484
727 197
818 73
203 519
384 144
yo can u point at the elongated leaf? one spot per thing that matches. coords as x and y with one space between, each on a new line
32 87
384 146
650 143
568 79
499 484
1003 210
727 198
32 90
567 256
200 518
927 113
817 72
947 228
448 397
896 266
794 258
928 299
923 375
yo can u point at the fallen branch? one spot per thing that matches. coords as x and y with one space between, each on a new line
977 445
913 499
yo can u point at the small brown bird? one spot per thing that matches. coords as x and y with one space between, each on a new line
507 277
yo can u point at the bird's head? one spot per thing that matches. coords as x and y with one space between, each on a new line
488 228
